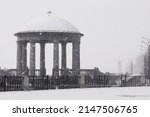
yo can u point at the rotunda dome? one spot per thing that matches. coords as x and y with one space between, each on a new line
49 24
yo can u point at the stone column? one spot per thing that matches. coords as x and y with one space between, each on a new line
76 57
19 57
63 55
24 58
32 58
42 59
56 58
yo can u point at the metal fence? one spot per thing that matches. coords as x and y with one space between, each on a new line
10 83
116 81
51 82
15 83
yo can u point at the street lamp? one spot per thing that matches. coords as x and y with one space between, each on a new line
147 56
148 40
144 66
147 44
143 48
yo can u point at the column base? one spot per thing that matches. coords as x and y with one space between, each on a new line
55 72
43 72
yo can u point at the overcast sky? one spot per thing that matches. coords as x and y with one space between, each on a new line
112 28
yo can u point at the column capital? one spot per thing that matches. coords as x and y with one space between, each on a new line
55 41
22 42
19 42
77 41
42 44
63 44
32 42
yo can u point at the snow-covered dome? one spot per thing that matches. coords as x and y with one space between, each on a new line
49 24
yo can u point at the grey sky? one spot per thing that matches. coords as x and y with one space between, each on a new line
112 28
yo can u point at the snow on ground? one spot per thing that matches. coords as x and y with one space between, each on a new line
114 93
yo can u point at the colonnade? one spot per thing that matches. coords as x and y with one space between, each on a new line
22 56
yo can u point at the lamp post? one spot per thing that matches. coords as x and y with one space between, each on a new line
146 56
148 41
142 64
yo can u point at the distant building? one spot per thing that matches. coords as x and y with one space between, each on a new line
129 67
4 72
119 67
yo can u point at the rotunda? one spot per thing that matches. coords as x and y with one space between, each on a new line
48 30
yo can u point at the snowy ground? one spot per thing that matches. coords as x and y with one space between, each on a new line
115 93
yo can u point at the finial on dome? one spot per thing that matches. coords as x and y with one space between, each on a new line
49 13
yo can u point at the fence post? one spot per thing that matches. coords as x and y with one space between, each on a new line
125 80
47 81
56 82
145 80
121 80
26 83
140 81
104 80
